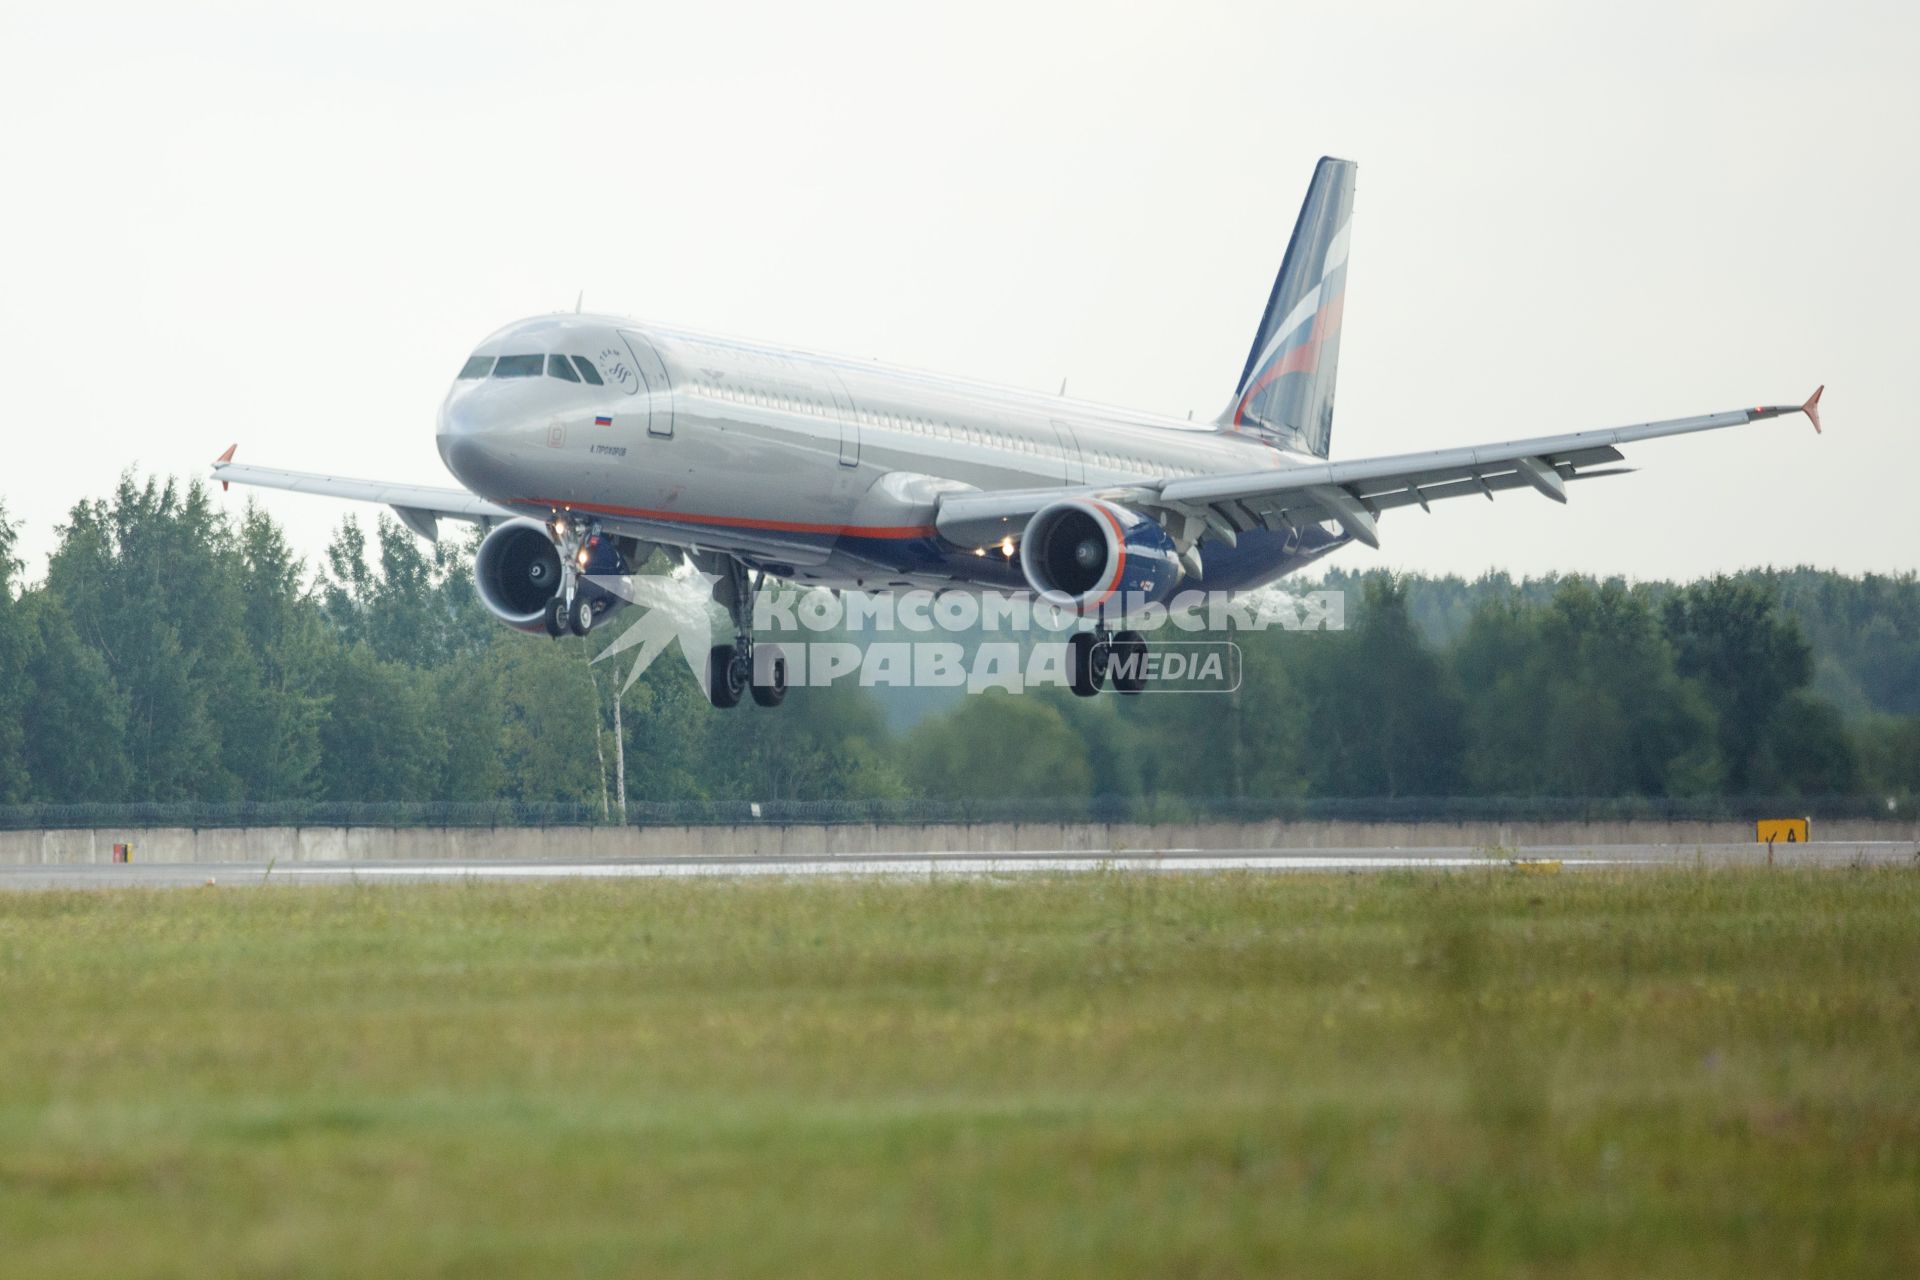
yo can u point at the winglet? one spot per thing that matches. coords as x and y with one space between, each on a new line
228 457
1812 408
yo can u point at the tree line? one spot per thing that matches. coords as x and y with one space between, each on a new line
174 652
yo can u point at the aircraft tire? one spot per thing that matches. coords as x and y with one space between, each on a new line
1129 652
771 690
725 680
1088 675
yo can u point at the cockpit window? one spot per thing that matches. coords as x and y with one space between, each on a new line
476 367
561 367
587 370
519 366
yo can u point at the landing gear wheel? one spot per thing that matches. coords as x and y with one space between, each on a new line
1128 664
769 675
556 617
580 616
726 676
1089 665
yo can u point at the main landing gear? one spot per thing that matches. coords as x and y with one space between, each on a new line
1097 657
743 667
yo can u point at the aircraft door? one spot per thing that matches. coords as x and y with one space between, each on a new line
659 388
1075 467
849 419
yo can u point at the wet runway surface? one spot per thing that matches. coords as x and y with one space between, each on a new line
1279 861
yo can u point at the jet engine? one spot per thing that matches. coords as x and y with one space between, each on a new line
1081 553
517 573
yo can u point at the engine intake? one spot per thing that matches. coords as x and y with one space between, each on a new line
517 571
1081 554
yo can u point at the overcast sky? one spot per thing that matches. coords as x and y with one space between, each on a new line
285 226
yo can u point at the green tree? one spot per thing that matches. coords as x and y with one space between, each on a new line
1384 718
467 700
152 582
670 728
550 720
999 745
1889 754
273 738
1807 751
16 651
1580 699
75 718
419 607
1730 637
346 581
823 744
382 738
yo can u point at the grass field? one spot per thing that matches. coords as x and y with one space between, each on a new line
1649 1073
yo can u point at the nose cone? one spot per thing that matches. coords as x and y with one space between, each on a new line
472 438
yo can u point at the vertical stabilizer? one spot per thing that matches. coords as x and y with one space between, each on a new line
1286 390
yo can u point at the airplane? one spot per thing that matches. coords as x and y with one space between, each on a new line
582 443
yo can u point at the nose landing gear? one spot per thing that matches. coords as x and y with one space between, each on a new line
570 611
570 617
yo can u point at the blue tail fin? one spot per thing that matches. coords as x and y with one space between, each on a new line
1286 391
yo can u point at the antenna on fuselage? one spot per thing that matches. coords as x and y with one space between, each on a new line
577 300
1063 386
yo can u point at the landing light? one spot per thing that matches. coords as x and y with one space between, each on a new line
1006 546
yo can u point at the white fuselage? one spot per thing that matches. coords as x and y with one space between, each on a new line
816 468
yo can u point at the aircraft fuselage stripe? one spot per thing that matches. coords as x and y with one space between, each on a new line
899 532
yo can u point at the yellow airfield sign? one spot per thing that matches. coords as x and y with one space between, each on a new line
1782 830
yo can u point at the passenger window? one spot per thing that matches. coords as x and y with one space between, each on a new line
476 367
587 371
519 366
561 367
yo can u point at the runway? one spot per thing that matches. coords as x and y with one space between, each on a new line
1013 864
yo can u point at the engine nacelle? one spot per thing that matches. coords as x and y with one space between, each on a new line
517 572
1083 554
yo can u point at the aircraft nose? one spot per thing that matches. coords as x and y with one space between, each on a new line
460 418
470 439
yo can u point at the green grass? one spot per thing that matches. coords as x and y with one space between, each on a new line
1492 1073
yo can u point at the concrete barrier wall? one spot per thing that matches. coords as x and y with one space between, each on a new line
361 844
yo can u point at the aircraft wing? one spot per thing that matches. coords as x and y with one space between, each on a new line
1352 493
420 507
